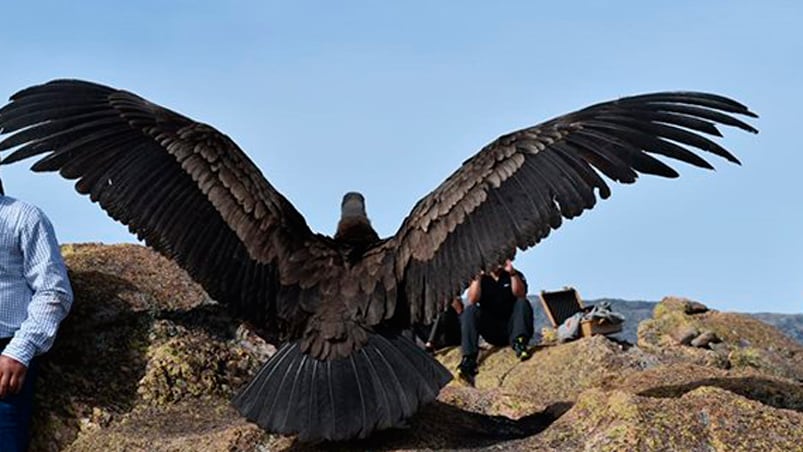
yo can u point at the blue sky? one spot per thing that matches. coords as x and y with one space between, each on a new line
389 99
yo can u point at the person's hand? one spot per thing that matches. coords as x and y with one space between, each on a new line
509 266
12 375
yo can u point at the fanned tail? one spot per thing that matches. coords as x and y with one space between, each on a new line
376 387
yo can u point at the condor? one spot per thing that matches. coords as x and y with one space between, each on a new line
339 304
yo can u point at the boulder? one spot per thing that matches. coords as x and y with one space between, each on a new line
141 339
146 361
741 341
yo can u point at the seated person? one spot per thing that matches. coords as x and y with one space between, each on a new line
498 310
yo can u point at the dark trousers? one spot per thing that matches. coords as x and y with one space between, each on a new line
497 331
15 414
445 331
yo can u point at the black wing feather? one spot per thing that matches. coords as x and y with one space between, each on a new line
181 186
528 180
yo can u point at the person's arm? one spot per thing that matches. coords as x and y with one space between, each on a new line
518 285
475 290
457 305
46 275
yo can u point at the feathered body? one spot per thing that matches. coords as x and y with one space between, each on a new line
344 370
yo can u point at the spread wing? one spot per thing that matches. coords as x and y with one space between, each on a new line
182 186
517 189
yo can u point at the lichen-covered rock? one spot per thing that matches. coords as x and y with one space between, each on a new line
152 281
146 361
140 333
704 418
182 365
677 379
735 340
203 424
555 374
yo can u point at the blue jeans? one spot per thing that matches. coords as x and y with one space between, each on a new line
15 415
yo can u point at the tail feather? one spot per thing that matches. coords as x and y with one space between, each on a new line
420 360
295 398
272 386
278 410
381 396
364 400
409 372
377 387
392 381
261 386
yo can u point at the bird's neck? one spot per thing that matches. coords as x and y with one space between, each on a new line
356 231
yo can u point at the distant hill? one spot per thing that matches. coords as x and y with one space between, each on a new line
789 324
636 311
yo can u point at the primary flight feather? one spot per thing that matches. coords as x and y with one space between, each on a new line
339 303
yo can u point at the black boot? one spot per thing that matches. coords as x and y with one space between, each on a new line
467 369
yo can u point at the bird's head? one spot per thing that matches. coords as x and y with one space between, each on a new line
353 205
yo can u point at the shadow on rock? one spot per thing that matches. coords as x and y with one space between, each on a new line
772 392
443 426
97 360
213 319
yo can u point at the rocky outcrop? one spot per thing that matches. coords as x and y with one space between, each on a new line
681 331
147 362
144 358
704 418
